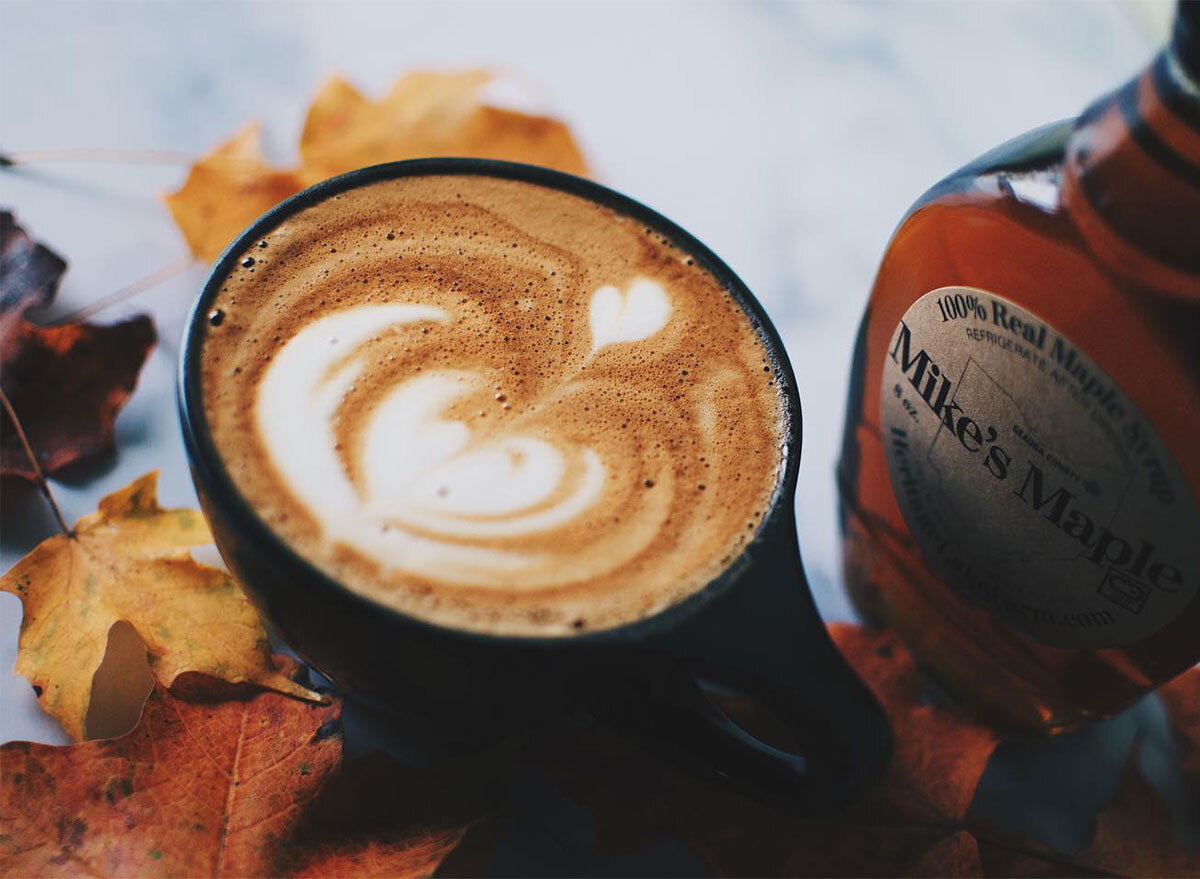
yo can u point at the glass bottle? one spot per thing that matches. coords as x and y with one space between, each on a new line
1020 469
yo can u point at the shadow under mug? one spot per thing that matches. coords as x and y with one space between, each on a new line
753 630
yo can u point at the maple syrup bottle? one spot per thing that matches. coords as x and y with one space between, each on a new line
1021 460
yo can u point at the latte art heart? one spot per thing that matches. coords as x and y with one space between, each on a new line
638 313
492 405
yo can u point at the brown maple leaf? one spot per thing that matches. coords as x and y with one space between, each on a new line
29 273
1182 700
425 114
193 790
939 754
1134 836
377 818
413 856
130 561
66 383
956 855
911 823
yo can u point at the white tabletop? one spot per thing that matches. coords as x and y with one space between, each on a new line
790 137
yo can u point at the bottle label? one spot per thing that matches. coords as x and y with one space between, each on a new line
1030 480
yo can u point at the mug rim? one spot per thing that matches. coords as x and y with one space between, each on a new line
213 477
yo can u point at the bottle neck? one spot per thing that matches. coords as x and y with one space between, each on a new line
1131 180
1185 38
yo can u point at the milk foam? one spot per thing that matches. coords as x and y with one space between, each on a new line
492 405
423 471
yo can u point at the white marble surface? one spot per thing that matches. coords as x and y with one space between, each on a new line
790 137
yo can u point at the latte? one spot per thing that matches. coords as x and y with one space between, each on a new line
492 405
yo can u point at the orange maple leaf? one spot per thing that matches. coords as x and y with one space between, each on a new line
226 789
193 790
225 191
424 114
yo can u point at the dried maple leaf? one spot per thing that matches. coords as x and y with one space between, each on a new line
1134 833
425 114
129 561
956 855
1133 836
378 818
29 273
225 191
1182 700
67 383
413 856
194 790
1018 861
939 754
911 823
241 788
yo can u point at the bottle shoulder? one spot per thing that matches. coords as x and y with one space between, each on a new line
995 214
1033 152
1004 229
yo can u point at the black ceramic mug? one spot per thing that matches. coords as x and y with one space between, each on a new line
753 630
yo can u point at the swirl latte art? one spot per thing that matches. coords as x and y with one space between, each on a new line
492 405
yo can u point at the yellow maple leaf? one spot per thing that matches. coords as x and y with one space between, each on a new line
425 114
130 561
226 191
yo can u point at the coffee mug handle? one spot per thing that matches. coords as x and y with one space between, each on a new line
763 639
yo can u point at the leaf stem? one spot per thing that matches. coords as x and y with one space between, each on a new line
1043 854
89 154
33 461
129 290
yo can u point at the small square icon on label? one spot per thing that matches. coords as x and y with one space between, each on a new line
1124 591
